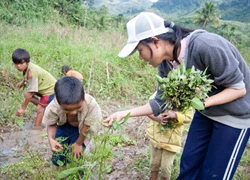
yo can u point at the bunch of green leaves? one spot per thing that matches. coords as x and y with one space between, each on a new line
184 88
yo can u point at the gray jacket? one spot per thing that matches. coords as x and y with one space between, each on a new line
226 67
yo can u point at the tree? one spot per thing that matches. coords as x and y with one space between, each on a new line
207 15
228 32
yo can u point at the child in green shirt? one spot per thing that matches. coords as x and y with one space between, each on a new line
40 84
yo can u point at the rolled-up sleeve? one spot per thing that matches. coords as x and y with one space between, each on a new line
157 103
50 116
91 112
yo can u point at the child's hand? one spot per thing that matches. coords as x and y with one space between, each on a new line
166 116
19 85
55 146
77 149
20 112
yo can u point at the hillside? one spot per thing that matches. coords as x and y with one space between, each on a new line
87 38
237 10
127 7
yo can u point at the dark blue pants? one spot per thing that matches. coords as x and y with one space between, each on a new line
212 150
70 134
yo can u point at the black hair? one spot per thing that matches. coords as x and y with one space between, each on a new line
174 38
65 68
20 55
69 90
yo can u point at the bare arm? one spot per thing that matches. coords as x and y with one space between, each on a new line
77 146
144 110
225 96
164 117
28 96
20 84
54 145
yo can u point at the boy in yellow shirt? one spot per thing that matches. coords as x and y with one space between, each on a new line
40 84
165 142
67 71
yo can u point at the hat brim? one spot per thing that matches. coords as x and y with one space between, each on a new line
128 49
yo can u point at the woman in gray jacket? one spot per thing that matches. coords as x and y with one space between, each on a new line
218 134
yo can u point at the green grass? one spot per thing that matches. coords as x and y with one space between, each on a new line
93 53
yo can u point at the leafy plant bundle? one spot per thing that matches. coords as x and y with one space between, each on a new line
184 88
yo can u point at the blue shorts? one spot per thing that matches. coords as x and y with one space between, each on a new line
68 134
212 150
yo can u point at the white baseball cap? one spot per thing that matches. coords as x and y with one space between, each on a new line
143 26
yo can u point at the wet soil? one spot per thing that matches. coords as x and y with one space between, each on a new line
14 146
15 140
131 162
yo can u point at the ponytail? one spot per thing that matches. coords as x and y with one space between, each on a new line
175 37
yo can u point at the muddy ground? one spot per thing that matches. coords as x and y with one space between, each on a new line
131 164
15 140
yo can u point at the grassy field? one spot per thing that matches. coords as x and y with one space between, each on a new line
93 53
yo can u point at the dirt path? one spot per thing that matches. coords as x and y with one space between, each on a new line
14 144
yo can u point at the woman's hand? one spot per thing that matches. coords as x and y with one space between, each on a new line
114 117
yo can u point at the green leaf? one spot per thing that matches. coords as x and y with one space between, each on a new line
114 125
109 169
197 103
69 172
125 119
158 78
182 68
60 163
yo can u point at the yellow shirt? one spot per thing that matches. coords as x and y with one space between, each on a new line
168 139
75 74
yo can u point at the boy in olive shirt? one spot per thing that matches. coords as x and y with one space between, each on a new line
40 84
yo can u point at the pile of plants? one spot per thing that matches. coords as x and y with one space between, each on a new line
184 88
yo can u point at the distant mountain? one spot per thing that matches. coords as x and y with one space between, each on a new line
171 6
238 10
126 7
